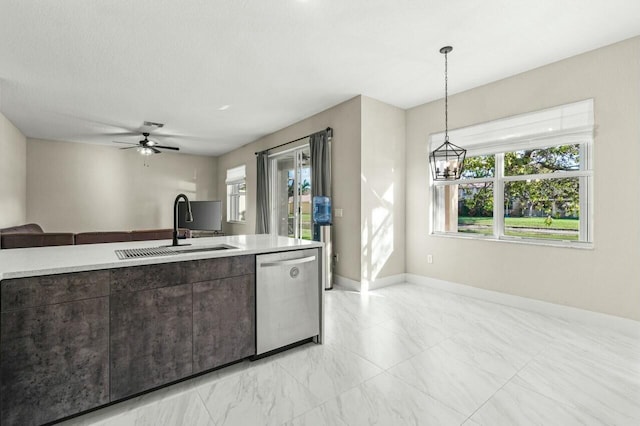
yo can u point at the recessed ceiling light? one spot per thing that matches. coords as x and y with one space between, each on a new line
224 107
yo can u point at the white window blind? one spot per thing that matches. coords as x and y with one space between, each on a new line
561 125
236 175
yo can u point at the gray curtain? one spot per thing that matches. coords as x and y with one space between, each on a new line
262 194
320 164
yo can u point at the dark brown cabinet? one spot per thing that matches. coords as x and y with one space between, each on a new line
223 321
151 339
54 356
73 342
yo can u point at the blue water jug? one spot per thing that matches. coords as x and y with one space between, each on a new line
321 210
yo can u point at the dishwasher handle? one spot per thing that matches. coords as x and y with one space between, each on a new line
289 262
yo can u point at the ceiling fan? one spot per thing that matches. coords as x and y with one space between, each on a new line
146 146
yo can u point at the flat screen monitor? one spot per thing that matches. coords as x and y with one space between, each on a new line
207 215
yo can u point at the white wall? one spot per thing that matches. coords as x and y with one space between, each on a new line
605 279
368 170
345 156
13 175
74 187
382 193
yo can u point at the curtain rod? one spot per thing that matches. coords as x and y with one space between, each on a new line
329 131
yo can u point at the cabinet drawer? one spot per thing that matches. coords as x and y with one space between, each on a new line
222 267
20 293
147 277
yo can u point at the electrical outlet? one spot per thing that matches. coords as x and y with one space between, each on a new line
336 257
338 212
429 258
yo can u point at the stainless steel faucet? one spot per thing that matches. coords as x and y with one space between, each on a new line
188 218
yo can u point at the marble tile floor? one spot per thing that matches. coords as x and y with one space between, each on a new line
410 355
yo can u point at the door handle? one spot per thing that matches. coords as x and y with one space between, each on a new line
289 262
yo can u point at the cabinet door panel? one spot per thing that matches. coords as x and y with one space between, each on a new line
151 339
223 321
55 361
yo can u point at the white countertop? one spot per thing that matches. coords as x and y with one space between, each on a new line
28 262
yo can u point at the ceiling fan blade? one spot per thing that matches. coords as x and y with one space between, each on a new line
129 147
155 151
88 119
125 143
123 134
167 147
176 136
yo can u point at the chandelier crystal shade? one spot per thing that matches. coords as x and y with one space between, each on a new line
447 161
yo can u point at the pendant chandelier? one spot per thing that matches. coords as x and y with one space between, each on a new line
447 161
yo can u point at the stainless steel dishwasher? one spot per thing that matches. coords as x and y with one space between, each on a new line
287 298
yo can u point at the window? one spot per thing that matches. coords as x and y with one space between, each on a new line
236 194
526 178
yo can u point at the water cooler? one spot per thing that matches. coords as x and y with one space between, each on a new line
321 217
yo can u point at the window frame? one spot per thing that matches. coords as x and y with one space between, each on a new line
584 174
236 178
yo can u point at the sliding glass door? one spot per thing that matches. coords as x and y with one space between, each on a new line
291 193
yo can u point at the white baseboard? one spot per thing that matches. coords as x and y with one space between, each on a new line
627 326
383 282
346 283
350 284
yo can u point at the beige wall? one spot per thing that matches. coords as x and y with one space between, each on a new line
382 193
73 187
13 175
604 279
345 156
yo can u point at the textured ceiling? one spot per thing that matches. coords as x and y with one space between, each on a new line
84 70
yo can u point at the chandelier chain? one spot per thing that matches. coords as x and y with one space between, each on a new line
446 100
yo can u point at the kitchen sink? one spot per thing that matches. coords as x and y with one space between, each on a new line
138 253
194 249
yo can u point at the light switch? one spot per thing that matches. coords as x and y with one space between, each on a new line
338 212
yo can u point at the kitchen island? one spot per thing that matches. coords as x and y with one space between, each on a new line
82 328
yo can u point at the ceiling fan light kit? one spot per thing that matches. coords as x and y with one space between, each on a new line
145 151
148 147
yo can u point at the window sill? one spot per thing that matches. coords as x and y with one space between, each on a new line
525 241
237 222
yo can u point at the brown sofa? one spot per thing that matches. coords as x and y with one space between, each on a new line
32 235
102 237
157 234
